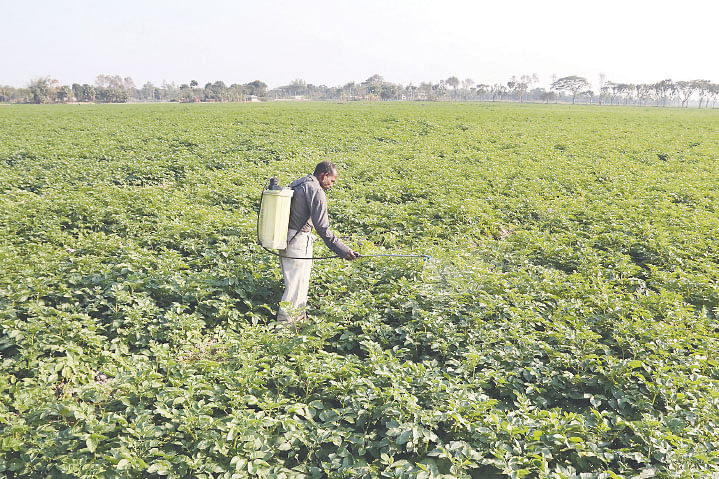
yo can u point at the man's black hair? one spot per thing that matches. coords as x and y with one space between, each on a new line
325 167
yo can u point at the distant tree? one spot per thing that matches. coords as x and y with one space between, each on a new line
18 95
610 88
216 91
374 90
519 86
101 81
572 83
529 80
298 87
514 86
256 88
453 82
236 92
186 94
148 91
411 91
714 94
193 83
663 90
426 91
482 89
498 91
643 92
77 92
440 89
467 85
111 95
627 91
372 86
349 91
554 80
42 90
63 93
114 88
390 91
548 96
703 87
685 90
110 81
128 83
605 93
618 90
6 93
332 93
115 81
89 92
376 78
535 93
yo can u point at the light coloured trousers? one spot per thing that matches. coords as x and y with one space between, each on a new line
296 273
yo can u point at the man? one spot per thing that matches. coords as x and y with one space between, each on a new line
308 209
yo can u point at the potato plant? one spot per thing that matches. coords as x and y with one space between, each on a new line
565 326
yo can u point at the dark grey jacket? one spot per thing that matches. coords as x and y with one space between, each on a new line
309 208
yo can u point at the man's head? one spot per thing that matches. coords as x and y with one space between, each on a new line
326 174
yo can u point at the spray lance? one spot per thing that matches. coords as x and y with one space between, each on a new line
273 219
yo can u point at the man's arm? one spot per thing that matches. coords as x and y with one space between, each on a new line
318 212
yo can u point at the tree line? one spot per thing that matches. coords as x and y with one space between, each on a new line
524 88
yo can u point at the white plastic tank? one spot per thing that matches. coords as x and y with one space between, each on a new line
275 217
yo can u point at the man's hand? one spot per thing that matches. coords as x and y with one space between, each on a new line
351 255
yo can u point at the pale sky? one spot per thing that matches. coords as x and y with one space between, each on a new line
333 42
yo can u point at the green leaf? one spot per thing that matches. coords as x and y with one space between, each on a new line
404 437
634 363
161 467
92 441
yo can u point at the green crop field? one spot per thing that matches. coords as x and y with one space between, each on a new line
566 325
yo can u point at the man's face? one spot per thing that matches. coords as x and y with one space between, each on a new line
327 180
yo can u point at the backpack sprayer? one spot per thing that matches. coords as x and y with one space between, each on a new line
273 218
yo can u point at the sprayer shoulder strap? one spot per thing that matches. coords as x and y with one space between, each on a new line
296 232
293 186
